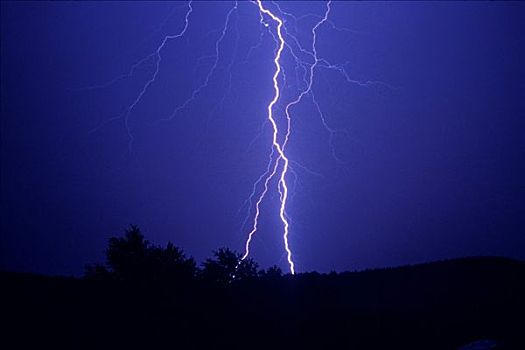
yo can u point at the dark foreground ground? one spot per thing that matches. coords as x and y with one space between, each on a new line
442 305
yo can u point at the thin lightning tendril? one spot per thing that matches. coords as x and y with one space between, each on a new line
210 72
156 72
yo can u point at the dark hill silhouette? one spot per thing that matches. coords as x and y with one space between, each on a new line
439 305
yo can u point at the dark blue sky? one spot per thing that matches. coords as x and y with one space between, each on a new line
429 168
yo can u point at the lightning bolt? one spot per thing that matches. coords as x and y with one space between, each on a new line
308 76
307 62
280 147
276 146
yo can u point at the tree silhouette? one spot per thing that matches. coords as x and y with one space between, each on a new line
97 272
170 263
133 258
226 266
127 256
272 273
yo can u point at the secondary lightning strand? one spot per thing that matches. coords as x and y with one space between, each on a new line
156 72
210 72
283 188
249 201
136 65
320 62
308 88
309 75
157 59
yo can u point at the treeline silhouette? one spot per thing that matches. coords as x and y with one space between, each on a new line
134 259
150 297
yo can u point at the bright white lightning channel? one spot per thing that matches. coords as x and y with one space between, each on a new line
280 147
282 186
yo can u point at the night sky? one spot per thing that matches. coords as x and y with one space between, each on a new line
426 165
